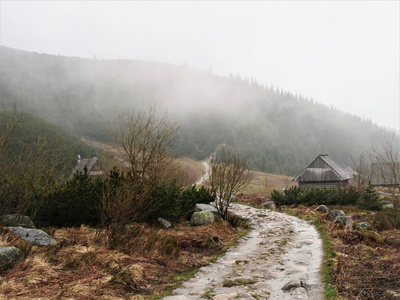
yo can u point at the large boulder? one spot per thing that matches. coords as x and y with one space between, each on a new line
336 213
202 218
9 256
164 223
16 220
323 208
205 207
35 237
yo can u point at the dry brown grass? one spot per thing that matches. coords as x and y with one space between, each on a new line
264 183
366 264
82 267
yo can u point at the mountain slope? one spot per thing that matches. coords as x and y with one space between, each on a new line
278 132
34 134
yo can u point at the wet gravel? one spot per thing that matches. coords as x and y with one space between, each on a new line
279 259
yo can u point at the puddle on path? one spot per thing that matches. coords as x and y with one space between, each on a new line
279 250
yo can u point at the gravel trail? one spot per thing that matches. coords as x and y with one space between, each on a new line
279 259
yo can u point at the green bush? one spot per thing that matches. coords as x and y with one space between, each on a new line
369 199
75 202
173 203
316 196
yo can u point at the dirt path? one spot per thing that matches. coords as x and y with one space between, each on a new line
279 251
206 175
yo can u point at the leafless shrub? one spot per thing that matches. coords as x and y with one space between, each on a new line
229 174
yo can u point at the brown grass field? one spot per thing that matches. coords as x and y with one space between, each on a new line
81 266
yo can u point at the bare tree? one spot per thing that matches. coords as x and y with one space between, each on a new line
362 170
385 167
146 141
229 174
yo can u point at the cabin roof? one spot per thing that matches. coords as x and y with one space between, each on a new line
323 168
86 162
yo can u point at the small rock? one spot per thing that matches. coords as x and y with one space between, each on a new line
323 208
388 206
205 207
269 205
202 218
34 236
226 296
9 256
363 226
16 220
291 285
336 213
347 221
164 223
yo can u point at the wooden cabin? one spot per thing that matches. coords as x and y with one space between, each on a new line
93 166
324 172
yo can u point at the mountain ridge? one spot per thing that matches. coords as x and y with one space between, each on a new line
276 131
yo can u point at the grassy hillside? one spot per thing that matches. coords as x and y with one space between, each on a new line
278 132
31 133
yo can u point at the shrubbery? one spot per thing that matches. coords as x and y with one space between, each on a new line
79 201
316 196
369 199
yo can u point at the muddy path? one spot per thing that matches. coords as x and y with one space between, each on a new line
279 259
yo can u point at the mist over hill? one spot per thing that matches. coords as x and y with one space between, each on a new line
277 131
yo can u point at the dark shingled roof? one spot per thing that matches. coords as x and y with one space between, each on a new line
88 162
323 168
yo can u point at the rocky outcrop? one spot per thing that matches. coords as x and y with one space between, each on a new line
164 223
9 256
34 236
16 220
202 218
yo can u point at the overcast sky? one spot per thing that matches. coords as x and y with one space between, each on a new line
339 53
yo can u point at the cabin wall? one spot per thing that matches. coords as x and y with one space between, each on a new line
323 184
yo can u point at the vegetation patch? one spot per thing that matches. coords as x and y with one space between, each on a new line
82 266
357 264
